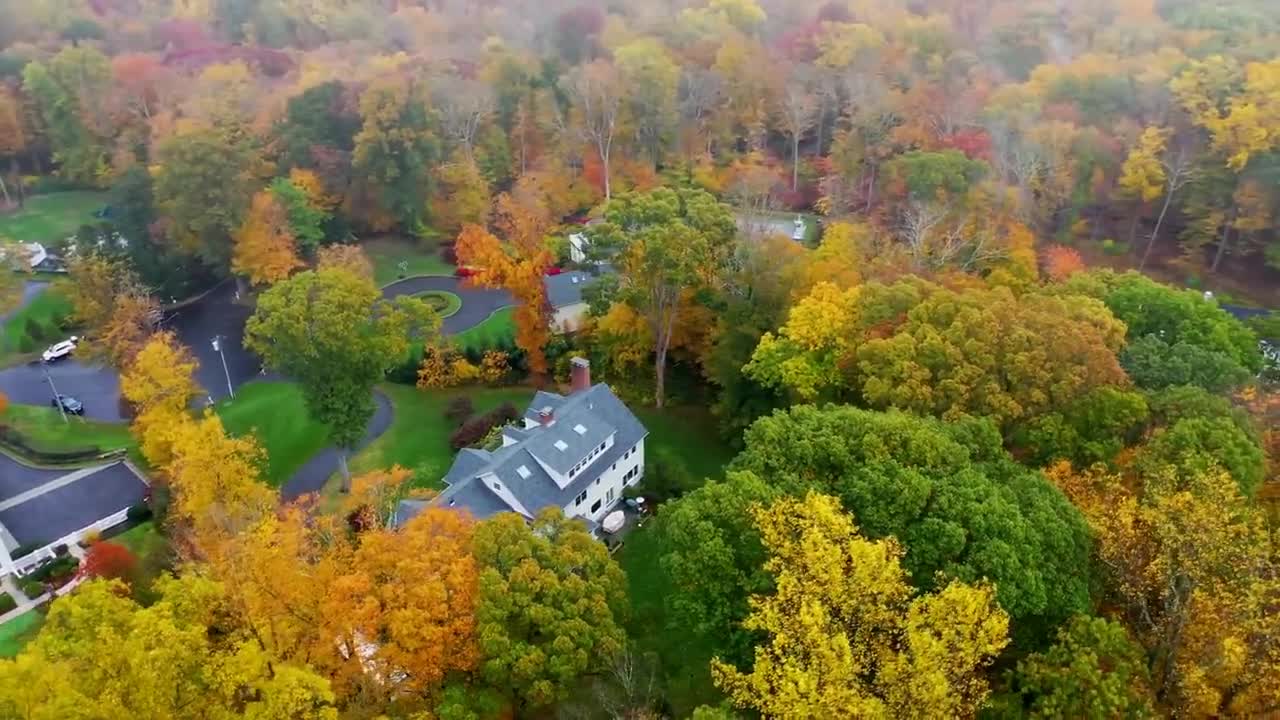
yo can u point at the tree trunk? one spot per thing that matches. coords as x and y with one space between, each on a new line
17 177
1222 248
1133 229
795 162
608 188
4 190
346 472
1168 199
871 190
660 371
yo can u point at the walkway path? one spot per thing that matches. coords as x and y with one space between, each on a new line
311 477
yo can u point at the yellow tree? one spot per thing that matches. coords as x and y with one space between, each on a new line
516 263
160 383
110 301
217 492
345 257
265 251
1191 563
847 637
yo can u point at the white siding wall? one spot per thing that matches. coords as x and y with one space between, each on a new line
569 318
611 479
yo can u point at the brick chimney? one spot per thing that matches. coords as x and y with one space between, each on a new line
580 374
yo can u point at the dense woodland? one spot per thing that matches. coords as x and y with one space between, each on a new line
981 469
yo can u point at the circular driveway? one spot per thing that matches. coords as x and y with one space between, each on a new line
477 303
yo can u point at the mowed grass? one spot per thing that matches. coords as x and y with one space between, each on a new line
35 326
395 258
15 634
687 435
53 217
418 438
44 430
276 414
497 330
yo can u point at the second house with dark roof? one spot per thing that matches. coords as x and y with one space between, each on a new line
577 452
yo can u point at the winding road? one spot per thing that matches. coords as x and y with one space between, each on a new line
218 314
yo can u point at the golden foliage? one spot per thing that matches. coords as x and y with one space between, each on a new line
265 251
351 258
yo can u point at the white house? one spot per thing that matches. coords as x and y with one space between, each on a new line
564 293
577 452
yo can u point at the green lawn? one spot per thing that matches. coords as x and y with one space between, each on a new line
394 259
44 431
276 414
689 435
49 218
37 325
418 438
497 330
446 304
15 634
142 539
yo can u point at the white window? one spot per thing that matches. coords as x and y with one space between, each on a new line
597 481
582 497
608 497
523 472
497 486
595 506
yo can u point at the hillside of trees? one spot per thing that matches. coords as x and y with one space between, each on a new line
995 452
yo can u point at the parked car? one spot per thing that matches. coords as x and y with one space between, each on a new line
69 404
60 350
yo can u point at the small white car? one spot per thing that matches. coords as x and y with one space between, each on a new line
61 350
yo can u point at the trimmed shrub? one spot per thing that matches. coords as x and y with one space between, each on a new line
449 254
459 409
31 588
473 432
7 603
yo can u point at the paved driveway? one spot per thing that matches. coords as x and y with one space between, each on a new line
477 303
30 290
17 478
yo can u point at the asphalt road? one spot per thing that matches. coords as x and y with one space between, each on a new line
17 478
477 303
29 291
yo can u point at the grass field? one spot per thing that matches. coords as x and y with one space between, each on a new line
35 326
53 217
497 330
142 539
44 431
388 254
418 438
15 634
276 414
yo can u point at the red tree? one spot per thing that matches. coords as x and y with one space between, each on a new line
108 560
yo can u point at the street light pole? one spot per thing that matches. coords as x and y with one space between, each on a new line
217 346
57 399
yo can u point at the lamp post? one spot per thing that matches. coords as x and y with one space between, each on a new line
217 347
57 399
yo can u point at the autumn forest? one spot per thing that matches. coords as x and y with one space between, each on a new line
952 324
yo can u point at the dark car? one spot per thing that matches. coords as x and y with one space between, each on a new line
69 404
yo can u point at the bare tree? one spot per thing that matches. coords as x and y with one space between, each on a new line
799 116
626 690
700 92
1177 173
596 91
464 106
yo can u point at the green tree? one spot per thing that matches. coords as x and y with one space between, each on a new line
335 334
931 175
948 491
321 117
551 606
202 192
1195 445
713 556
1094 670
1092 429
395 151
70 93
305 219
1154 364
668 244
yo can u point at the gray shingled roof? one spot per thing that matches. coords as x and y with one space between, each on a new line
598 410
566 288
